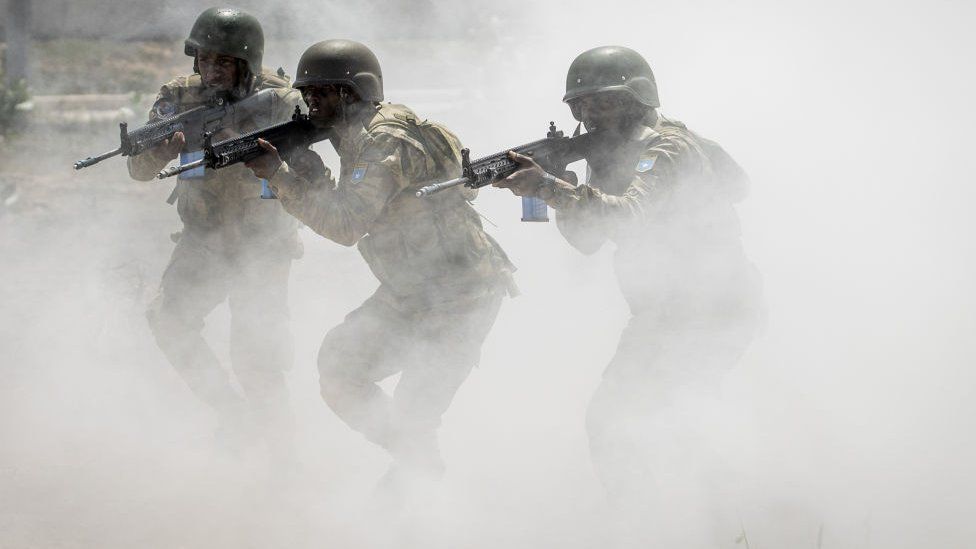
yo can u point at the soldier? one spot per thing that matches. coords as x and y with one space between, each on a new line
664 196
234 246
442 278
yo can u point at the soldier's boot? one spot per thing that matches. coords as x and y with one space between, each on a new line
235 433
403 489
417 453
413 479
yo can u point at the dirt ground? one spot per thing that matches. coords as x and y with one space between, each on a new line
847 420
64 66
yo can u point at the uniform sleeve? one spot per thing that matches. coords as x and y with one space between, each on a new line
657 169
344 211
145 166
583 232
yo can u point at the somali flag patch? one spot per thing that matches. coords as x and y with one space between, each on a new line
645 164
359 172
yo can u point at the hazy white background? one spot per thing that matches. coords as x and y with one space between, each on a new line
852 412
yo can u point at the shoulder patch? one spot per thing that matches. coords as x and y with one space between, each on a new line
359 172
645 164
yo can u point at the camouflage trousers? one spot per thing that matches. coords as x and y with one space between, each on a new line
645 423
198 279
433 348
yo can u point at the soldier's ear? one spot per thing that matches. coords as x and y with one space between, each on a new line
576 109
348 95
244 72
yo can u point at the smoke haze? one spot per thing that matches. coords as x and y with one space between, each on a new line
847 421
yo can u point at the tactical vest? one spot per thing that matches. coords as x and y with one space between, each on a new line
225 206
682 258
439 242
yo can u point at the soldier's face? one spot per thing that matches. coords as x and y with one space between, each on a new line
217 71
607 111
323 104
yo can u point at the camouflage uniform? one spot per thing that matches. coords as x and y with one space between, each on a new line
665 197
236 246
441 276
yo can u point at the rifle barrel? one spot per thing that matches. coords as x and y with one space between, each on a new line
176 170
92 160
437 187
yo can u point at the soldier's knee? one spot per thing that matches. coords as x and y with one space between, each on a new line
339 384
598 415
159 324
330 389
340 393
338 351
344 361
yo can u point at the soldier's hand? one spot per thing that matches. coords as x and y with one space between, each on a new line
526 180
170 149
266 165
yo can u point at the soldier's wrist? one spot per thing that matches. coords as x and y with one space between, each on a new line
557 194
547 186
284 183
275 169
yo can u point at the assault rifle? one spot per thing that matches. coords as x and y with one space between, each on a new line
288 137
553 153
194 124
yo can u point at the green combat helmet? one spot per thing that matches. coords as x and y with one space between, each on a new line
611 68
342 62
228 31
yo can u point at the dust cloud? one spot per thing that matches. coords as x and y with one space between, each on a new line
846 424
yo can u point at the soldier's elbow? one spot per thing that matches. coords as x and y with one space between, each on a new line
142 175
337 227
585 244
139 171
588 248
346 240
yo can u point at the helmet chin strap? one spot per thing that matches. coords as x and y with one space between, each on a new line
343 114
349 104
245 80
